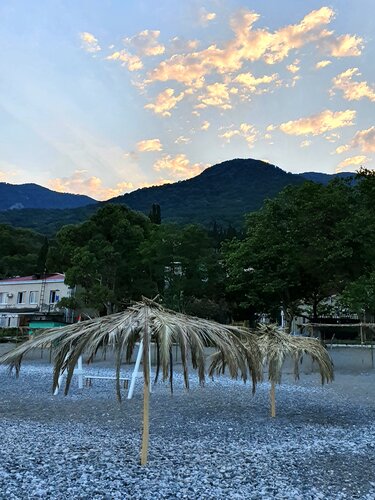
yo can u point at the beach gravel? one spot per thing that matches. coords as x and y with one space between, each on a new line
214 442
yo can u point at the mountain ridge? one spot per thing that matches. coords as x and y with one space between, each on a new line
324 178
223 193
211 187
31 195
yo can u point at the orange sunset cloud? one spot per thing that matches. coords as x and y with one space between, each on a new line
353 90
164 102
319 123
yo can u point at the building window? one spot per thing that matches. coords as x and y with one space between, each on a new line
33 298
3 298
21 297
54 296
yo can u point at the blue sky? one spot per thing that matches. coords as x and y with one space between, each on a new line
102 97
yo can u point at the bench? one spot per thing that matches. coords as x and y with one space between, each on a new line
89 379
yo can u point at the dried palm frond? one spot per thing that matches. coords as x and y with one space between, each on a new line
121 331
276 345
240 361
147 321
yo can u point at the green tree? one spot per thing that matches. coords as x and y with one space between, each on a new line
183 264
359 295
300 248
19 251
101 256
42 257
155 214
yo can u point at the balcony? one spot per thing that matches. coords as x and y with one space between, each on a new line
18 307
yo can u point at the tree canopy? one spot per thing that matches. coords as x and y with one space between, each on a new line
20 251
301 247
101 257
308 243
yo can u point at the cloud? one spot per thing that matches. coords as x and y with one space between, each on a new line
245 130
149 145
293 82
132 62
178 45
146 43
229 134
12 173
344 46
294 67
80 183
186 69
305 144
318 124
247 45
364 140
322 64
89 42
275 47
205 125
182 140
205 17
164 102
332 137
352 90
342 149
250 82
217 95
179 166
352 161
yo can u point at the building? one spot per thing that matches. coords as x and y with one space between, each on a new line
33 298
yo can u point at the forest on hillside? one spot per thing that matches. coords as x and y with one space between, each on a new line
308 243
223 192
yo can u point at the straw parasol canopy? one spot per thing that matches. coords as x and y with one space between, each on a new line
147 322
276 345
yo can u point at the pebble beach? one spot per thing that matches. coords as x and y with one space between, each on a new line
213 442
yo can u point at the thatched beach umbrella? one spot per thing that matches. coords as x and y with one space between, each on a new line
146 322
276 345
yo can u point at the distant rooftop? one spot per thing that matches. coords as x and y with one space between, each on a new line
34 277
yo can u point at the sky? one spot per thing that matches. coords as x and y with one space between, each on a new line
102 97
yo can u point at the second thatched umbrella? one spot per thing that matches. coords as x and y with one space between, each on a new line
276 345
147 322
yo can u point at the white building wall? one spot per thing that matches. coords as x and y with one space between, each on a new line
26 294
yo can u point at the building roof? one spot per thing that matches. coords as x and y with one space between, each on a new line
35 278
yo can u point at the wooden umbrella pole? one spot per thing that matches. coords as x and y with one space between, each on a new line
273 402
146 391
146 425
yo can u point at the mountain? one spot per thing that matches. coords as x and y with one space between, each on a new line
19 196
322 178
221 193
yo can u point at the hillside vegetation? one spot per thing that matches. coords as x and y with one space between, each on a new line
222 193
19 196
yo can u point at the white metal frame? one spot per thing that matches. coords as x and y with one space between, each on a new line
79 372
136 369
